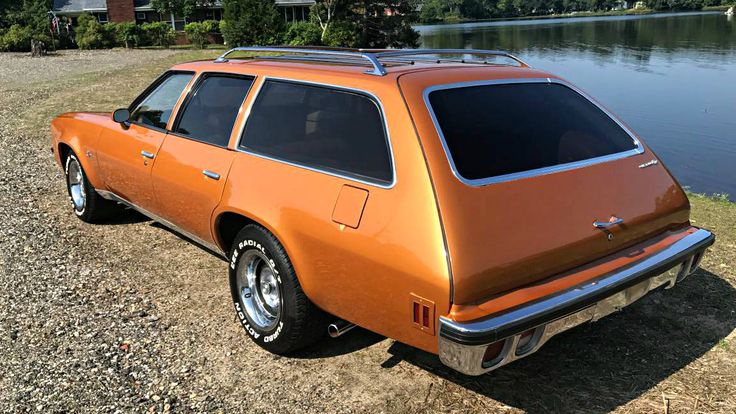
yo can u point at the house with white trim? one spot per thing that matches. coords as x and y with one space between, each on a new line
140 11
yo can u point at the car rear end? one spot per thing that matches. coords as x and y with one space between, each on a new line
555 213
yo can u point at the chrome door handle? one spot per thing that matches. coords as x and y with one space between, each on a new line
606 224
147 154
210 174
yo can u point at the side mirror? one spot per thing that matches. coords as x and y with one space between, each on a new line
121 116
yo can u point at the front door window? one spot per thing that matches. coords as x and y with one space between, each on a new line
155 109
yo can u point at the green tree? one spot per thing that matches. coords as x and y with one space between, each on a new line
180 8
303 34
16 39
324 12
387 23
159 33
198 33
251 22
376 24
342 33
127 34
90 34
31 17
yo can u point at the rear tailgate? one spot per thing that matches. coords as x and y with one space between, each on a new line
514 214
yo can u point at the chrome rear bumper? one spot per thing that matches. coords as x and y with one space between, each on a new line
463 345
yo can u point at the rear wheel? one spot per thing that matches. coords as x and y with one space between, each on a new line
86 203
267 296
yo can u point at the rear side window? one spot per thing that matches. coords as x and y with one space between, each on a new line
495 130
155 108
329 129
210 111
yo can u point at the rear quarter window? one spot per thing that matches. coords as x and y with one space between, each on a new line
333 130
494 131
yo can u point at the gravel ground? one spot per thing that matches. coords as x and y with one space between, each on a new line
129 317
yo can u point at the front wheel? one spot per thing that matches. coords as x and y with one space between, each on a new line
267 296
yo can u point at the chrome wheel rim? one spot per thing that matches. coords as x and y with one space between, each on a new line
76 184
259 290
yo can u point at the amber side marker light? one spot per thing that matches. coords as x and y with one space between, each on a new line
422 314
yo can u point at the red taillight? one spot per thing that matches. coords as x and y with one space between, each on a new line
493 351
525 338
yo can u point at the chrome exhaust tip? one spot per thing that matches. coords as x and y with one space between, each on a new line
339 328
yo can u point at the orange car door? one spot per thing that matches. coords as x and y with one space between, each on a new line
193 163
126 153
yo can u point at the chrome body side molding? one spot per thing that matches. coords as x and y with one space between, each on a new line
109 195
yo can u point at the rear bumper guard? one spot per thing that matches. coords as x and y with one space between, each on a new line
520 332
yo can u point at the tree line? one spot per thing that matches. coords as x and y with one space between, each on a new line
444 10
340 23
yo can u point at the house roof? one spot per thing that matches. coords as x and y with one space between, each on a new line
79 6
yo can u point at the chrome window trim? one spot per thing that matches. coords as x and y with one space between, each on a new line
197 84
479 182
352 178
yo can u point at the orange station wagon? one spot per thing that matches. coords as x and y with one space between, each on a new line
466 206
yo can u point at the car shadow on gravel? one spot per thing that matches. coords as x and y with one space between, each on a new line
600 366
352 341
186 238
126 216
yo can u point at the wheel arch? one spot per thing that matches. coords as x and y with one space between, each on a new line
64 150
228 223
72 135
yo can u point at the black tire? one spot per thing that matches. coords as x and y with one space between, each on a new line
299 322
94 208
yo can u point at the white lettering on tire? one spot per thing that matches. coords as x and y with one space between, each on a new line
249 243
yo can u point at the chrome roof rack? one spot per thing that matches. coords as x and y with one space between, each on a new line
371 56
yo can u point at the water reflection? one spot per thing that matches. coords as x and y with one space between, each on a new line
672 77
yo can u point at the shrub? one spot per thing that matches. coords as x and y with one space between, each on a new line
303 34
251 22
126 34
214 25
342 34
90 34
159 33
198 33
16 39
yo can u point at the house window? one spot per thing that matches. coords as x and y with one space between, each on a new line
295 13
101 17
140 15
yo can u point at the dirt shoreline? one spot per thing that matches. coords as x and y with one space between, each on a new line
129 317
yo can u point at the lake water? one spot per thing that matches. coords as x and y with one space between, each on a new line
672 77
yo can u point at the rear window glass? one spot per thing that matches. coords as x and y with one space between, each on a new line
494 130
330 129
